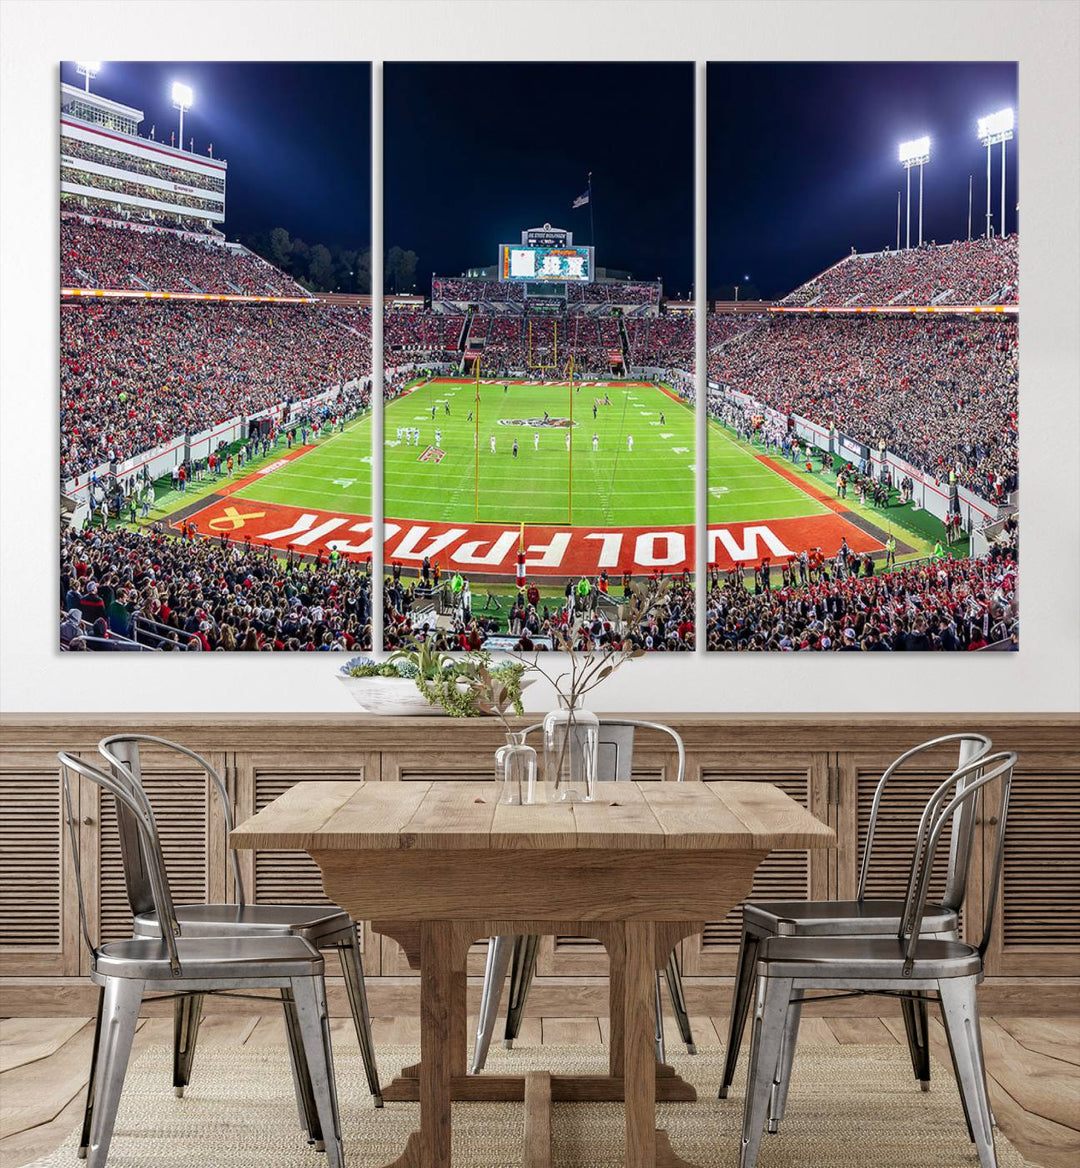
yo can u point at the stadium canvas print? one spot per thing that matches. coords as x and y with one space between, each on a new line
539 454
862 357
215 338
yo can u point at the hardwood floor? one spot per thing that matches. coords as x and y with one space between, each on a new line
1034 1067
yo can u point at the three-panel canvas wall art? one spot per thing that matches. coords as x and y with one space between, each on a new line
576 430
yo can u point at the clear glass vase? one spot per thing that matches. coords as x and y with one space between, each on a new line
571 739
515 770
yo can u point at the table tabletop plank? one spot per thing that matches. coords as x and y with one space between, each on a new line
535 825
452 815
692 821
633 816
769 813
621 817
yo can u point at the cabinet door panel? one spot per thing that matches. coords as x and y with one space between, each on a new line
1036 928
39 925
789 875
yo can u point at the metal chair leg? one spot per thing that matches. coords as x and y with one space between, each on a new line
522 968
500 950
119 1017
770 1018
741 1001
309 994
88 1109
353 969
658 1010
673 975
778 1096
960 1009
305 1098
187 1014
916 1026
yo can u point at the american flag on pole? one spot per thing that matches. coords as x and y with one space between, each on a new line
580 201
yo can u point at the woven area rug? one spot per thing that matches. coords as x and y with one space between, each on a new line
849 1107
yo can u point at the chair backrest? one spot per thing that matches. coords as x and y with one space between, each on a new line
615 748
130 796
122 753
961 793
971 748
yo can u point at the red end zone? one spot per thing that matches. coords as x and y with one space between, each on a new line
491 548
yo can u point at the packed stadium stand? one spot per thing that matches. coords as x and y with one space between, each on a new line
134 374
121 590
977 271
946 605
941 392
96 254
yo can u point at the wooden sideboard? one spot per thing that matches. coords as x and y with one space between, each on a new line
830 763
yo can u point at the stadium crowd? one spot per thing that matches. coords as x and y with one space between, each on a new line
464 290
941 393
133 375
511 343
204 595
944 605
669 627
97 255
976 271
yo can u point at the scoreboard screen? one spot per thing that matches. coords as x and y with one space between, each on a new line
520 262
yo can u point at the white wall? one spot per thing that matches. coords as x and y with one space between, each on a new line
1045 675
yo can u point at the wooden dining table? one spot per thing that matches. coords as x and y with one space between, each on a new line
440 865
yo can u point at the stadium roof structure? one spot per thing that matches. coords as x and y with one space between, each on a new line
101 111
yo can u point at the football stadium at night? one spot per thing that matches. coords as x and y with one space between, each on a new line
538 429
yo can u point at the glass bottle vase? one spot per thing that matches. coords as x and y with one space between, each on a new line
571 740
515 770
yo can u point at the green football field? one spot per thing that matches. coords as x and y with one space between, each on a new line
745 490
652 485
612 487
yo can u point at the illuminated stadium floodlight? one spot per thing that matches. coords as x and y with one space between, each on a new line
182 98
995 128
915 152
87 69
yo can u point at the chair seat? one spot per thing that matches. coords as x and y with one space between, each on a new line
873 958
211 957
839 918
310 921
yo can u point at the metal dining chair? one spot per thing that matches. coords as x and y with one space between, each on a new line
615 756
323 926
909 963
170 964
863 916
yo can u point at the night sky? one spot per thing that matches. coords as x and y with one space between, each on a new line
801 157
296 135
802 161
474 153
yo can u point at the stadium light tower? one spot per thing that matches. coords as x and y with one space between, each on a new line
995 128
914 153
87 69
182 99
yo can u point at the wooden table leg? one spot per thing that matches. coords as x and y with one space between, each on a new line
442 1042
646 948
639 1054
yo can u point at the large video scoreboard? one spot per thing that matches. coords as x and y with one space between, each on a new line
525 262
